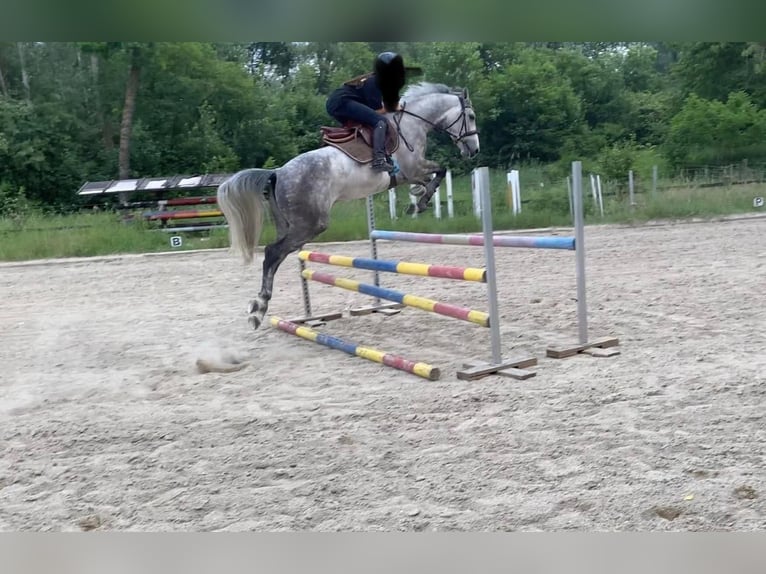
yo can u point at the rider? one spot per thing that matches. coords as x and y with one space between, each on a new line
366 98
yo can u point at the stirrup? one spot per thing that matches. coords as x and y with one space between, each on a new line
382 164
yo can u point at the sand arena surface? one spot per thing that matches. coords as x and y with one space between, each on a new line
107 425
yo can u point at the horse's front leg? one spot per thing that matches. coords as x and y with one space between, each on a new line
429 187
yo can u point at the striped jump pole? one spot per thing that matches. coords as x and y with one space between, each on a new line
478 317
423 370
179 214
400 267
532 242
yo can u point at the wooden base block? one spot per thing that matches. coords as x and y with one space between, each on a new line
596 348
599 352
385 309
316 320
513 368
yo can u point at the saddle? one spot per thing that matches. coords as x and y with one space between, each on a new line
355 140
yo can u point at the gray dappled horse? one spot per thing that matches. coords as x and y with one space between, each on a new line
301 193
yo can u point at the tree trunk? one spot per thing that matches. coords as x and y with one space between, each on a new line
94 67
24 75
107 131
126 128
3 86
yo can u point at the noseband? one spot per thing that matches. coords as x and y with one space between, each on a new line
464 132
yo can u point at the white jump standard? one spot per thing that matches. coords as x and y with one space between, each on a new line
603 347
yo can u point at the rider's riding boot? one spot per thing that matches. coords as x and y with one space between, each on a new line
380 162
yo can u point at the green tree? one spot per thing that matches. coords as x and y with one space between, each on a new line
532 111
455 64
137 55
713 70
711 131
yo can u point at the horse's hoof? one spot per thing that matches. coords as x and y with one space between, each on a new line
257 311
255 321
258 306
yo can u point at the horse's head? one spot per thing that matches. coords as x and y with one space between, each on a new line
463 129
447 110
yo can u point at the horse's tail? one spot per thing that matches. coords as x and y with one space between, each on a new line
243 204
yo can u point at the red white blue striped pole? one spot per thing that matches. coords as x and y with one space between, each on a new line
532 242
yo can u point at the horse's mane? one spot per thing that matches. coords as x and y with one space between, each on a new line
421 89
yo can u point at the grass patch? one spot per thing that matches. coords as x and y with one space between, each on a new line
686 203
85 235
545 204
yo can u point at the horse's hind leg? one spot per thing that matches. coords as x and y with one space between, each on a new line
274 254
258 306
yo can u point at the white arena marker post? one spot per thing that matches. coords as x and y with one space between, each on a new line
475 195
392 203
631 189
514 191
595 186
600 195
450 206
593 189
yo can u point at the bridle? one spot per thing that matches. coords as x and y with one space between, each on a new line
462 134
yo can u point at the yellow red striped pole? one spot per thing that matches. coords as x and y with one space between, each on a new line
463 313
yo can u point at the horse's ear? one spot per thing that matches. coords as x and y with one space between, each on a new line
465 93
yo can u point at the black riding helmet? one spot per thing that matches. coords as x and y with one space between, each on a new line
387 57
390 73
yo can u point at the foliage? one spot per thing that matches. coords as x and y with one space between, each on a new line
711 131
532 109
617 160
218 107
15 208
